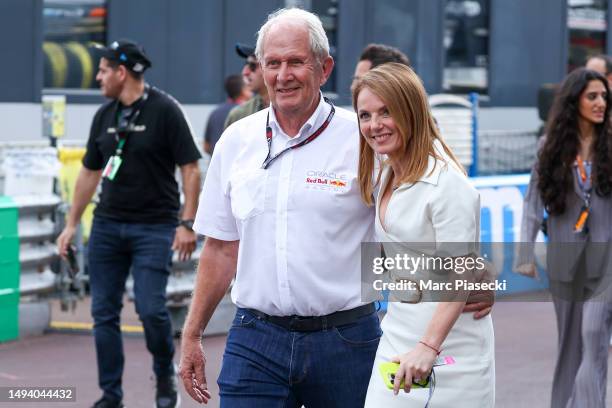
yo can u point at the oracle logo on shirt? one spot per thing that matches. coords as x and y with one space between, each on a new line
331 174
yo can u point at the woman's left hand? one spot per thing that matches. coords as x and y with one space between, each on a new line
415 364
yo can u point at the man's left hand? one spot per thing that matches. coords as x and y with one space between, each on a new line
480 302
184 243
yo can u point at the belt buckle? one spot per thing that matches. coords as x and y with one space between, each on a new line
300 323
295 323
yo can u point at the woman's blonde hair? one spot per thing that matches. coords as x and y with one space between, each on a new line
402 92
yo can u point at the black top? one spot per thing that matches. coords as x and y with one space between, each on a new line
216 123
144 189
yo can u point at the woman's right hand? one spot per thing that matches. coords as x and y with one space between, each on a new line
529 270
414 365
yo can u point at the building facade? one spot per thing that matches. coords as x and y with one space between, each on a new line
504 50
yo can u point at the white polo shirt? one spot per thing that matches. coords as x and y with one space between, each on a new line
300 222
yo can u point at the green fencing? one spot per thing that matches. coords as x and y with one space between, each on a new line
9 270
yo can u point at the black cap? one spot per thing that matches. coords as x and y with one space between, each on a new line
244 50
127 53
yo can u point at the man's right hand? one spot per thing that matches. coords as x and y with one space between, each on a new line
86 184
191 369
64 240
216 269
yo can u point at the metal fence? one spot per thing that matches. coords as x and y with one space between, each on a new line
506 152
481 152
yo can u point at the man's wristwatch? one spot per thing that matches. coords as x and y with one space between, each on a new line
187 224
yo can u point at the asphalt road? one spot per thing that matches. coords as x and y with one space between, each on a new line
525 336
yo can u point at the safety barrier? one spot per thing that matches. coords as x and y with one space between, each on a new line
37 251
27 174
457 121
9 270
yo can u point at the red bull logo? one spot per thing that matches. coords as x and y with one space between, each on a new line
316 180
335 183
326 180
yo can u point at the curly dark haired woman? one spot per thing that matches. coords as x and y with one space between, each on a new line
572 182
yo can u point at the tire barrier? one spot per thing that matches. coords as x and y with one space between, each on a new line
56 65
70 64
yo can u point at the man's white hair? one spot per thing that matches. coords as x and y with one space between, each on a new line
319 44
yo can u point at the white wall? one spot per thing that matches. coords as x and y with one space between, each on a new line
20 121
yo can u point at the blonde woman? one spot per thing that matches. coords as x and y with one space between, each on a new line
423 197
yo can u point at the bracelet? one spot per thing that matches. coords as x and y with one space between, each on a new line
433 348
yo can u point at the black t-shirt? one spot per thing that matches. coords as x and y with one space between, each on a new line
144 189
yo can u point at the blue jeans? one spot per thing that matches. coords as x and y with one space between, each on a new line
115 250
267 366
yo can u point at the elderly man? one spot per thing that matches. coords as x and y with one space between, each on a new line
137 141
282 210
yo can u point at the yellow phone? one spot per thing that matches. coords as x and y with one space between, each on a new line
388 370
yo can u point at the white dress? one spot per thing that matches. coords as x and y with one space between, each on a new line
441 207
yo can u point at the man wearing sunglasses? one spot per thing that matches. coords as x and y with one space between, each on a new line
252 74
137 140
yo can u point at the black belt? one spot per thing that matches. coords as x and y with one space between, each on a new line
316 323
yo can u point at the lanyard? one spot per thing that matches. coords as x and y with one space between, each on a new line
119 149
121 132
581 223
584 178
581 169
269 158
